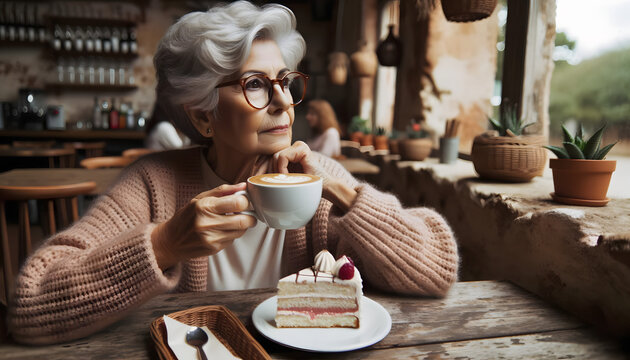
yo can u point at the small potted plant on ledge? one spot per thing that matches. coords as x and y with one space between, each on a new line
357 128
506 153
581 174
380 139
417 145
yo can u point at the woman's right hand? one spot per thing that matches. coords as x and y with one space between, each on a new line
204 227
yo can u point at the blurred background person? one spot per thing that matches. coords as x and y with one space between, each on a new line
323 121
162 134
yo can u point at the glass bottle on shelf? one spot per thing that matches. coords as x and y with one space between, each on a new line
91 72
81 70
67 42
115 40
133 45
105 115
31 34
124 41
113 117
11 31
122 80
19 20
122 116
131 80
71 71
89 39
107 41
98 41
78 39
58 34
96 115
131 122
101 72
60 71
112 74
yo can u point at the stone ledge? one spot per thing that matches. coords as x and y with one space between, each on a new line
575 257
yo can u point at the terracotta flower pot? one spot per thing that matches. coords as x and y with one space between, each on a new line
513 159
356 136
367 139
380 142
394 146
581 182
416 149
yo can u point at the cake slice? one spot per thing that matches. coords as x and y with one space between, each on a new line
325 295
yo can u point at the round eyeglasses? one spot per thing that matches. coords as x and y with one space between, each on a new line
258 88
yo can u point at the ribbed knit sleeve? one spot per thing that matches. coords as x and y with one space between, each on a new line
407 251
88 276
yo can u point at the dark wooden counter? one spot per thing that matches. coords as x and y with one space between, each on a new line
117 134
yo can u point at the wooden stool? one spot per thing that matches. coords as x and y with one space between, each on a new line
22 194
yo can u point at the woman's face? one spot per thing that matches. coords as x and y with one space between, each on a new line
311 117
244 129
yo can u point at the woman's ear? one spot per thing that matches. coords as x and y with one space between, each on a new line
201 120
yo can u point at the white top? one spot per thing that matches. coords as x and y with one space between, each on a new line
164 137
252 261
328 143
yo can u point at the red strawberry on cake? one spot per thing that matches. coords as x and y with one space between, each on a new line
325 295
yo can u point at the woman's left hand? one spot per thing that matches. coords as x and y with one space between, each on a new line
299 153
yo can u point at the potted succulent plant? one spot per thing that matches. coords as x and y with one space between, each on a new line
394 142
506 153
581 174
417 145
380 139
357 128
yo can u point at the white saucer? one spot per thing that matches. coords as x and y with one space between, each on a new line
375 324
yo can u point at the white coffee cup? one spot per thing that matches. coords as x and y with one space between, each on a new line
284 201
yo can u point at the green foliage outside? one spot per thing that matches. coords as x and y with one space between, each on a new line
594 92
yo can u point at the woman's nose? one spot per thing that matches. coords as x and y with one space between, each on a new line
280 100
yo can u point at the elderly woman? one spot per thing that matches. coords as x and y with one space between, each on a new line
322 120
172 224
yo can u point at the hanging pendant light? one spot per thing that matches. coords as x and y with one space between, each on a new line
389 51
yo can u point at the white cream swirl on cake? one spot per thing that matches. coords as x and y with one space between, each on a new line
325 295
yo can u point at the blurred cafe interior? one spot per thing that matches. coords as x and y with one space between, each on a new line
413 84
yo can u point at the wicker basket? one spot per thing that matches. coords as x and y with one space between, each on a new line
515 159
467 10
223 323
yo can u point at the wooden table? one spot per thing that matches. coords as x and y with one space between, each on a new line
477 320
57 157
39 177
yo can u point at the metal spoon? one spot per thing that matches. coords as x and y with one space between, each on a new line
197 337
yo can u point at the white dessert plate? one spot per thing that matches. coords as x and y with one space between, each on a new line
374 326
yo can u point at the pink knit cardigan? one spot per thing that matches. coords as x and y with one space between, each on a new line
88 276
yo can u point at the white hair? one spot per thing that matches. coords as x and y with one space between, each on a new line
203 48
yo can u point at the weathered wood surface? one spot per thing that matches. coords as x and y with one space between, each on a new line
478 318
45 176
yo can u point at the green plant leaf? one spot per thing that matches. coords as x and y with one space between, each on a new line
527 125
592 145
579 133
579 142
567 135
496 125
560 152
573 150
601 154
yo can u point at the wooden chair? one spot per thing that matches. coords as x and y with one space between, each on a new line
48 194
136 152
100 162
86 150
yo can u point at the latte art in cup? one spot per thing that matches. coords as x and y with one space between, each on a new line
283 179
